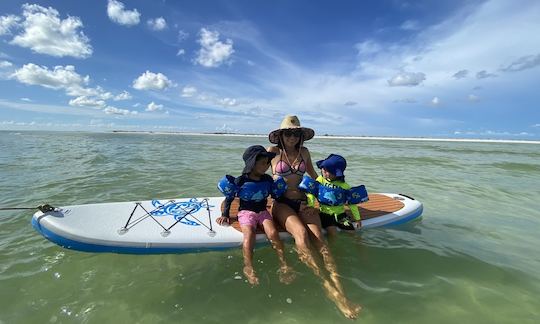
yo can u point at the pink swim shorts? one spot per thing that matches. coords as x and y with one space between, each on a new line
251 218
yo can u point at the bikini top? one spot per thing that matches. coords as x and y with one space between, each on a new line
284 169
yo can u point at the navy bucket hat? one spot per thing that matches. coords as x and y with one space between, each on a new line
335 164
251 154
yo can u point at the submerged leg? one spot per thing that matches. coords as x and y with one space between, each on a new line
292 223
247 248
311 218
286 273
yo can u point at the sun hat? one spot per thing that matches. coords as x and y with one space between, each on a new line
335 164
290 122
251 154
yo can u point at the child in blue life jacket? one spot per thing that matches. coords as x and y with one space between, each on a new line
253 188
333 193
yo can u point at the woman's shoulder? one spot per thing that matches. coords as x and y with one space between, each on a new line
304 150
273 149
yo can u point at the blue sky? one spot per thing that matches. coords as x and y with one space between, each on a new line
380 68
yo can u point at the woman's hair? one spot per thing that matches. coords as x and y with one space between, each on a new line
297 146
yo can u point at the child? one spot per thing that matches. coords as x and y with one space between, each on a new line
253 188
333 194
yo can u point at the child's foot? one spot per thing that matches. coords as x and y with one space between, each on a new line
251 276
286 275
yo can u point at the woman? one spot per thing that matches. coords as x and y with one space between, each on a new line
291 162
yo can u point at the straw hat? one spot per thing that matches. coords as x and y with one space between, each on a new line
290 122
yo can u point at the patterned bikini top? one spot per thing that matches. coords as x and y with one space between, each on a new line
284 169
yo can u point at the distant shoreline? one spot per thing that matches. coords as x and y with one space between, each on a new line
383 138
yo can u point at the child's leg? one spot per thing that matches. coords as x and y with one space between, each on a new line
331 230
247 249
287 274
248 223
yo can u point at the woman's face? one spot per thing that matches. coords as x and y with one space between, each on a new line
291 137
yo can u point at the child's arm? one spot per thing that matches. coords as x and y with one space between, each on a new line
353 207
355 212
228 185
310 186
227 207
310 200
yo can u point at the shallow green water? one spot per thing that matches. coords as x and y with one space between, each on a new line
473 258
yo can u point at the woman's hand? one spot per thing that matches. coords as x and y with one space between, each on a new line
223 220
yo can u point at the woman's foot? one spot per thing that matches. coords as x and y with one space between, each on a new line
251 275
348 309
286 275
351 311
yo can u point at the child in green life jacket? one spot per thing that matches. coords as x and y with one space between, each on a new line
333 193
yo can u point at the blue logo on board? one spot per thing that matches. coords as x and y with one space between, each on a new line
179 210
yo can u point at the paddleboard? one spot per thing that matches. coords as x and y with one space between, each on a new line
181 225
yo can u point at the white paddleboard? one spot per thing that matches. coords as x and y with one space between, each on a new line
178 225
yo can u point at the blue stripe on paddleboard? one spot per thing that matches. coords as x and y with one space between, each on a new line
404 220
88 247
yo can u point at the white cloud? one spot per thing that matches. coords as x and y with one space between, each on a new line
406 100
410 25
157 24
5 64
181 52
117 13
460 74
67 79
45 33
407 79
7 23
435 101
84 101
230 102
123 96
116 111
473 98
484 75
189 91
26 99
182 35
368 47
491 133
152 81
213 52
153 107
59 78
536 125
523 63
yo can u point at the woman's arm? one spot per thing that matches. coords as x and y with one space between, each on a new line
273 149
309 165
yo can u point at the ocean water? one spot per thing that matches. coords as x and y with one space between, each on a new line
473 257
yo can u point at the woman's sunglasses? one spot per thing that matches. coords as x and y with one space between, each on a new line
289 133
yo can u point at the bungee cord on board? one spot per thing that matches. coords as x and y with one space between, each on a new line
45 208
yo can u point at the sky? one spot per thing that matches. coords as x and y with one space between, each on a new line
465 69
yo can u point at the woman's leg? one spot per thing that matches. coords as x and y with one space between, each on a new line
286 273
247 248
294 225
310 217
